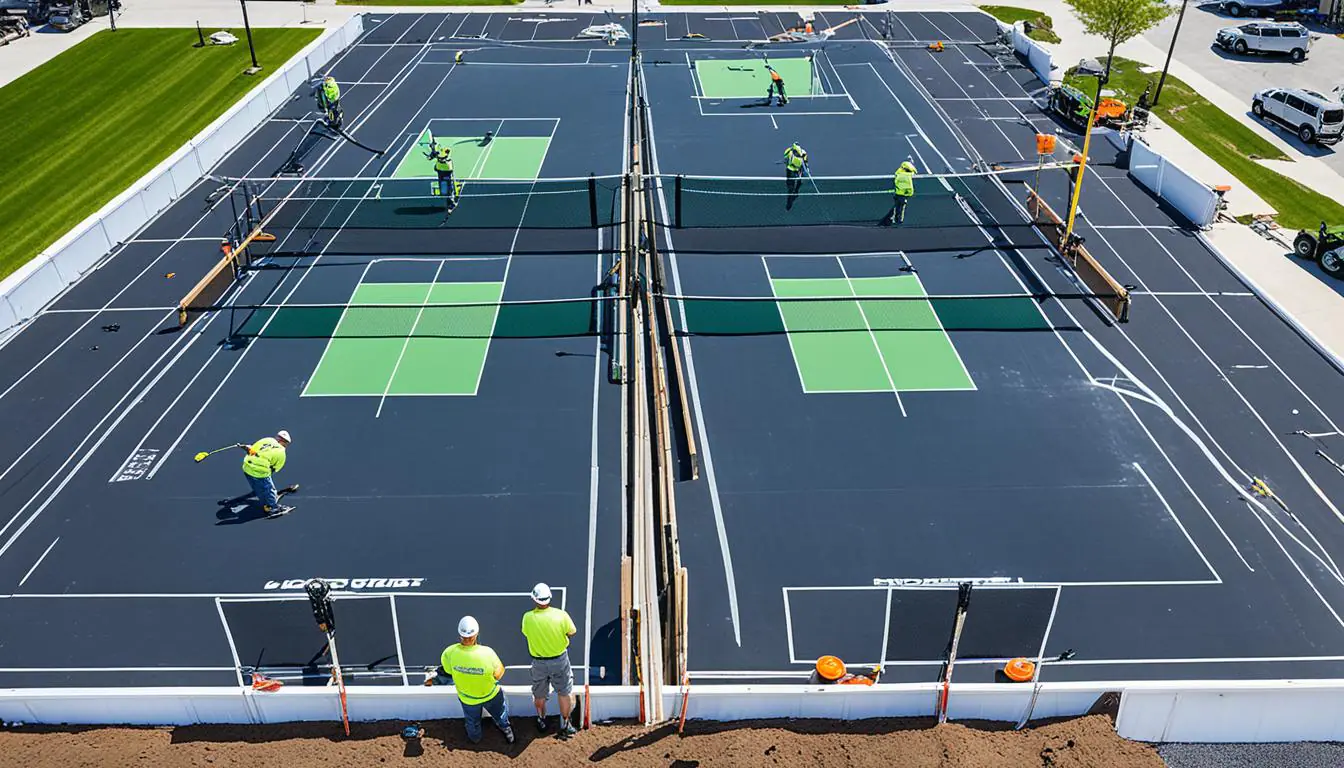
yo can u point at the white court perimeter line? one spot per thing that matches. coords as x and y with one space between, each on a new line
710 475
24 580
1179 524
233 647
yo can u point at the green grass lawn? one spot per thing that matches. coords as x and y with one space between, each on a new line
99 116
1220 136
755 2
1043 25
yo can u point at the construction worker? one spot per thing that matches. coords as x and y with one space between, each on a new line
264 458
795 166
776 86
548 631
329 101
903 181
475 670
443 166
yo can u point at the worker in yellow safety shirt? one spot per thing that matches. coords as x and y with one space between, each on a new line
903 182
329 101
776 87
474 670
795 167
443 167
264 458
548 630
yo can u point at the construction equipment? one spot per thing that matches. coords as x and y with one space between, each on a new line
1074 107
806 32
1324 246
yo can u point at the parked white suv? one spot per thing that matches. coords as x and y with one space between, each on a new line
1267 37
1313 116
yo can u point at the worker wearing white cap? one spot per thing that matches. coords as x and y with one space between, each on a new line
264 458
548 630
475 671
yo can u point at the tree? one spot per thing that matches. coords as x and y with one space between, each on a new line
1118 20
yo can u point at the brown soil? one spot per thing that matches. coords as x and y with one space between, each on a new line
1087 741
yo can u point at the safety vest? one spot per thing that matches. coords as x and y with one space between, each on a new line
443 162
331 91
904 181
794 157
775 76
265 457
547 631
473 670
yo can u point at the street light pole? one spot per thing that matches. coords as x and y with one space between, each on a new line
255 68
1170 50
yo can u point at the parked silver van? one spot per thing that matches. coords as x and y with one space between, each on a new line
1288 38
1313 116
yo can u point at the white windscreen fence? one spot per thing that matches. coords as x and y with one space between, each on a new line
1194 199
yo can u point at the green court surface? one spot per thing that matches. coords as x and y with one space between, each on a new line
747 78
505 157
409 350
895 345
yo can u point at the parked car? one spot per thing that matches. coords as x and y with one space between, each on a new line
1267 37
1241 8
1313 116
67 17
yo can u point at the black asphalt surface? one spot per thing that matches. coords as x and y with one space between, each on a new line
1091 481
1104 459
425 509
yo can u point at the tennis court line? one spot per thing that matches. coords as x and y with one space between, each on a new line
334 332
508 264
405 342
973 388
321 162
886 368
1172 512
711 477
793 352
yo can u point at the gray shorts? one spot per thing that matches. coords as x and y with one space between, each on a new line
552 673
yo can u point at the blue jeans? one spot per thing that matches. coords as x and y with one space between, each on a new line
264 488
498 708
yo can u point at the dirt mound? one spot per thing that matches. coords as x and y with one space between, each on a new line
1087 741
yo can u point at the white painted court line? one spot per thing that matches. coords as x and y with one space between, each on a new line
783 321
886 368
233 647
42 557
396 636
1172 512
407 341
513 245
708 456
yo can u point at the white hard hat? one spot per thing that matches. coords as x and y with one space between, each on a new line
541 593
284 435
468 627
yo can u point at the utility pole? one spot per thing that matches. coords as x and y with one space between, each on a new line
255 68
1170 49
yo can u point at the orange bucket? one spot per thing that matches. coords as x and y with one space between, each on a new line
1019 670
830 668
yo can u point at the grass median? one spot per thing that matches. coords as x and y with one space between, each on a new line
1227 141
1041 23
104 113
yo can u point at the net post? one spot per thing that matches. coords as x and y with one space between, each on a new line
592 200
676 203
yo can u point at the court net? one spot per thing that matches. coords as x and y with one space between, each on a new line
515 319
874 308
419 203
940 200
